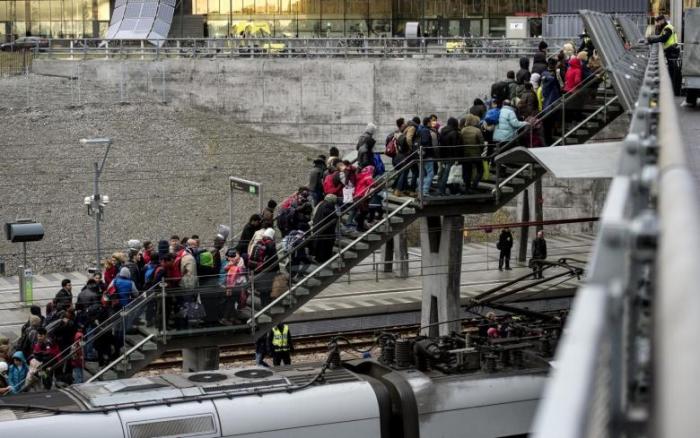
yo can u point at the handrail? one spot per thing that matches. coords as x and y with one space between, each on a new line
510 177
584 121
120 358
339 254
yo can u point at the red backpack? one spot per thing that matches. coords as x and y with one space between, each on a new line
330 185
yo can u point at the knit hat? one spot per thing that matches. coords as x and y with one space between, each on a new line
535 80
371 128
163 247
3 367
331 198
231 252
206 259
124 272
134 244
269 233
34 321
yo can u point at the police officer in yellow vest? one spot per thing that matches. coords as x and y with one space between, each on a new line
666 35
281 344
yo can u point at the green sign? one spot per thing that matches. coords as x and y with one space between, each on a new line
244 186
28 286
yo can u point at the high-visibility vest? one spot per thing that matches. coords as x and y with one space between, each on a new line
280 339
672 40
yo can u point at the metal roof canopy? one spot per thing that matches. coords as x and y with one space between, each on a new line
589 160
626 68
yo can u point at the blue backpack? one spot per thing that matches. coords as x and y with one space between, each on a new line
492 116
378 164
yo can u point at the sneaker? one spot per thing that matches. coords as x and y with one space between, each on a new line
508 268
411 194
399 193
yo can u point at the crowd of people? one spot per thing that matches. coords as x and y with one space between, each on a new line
222 284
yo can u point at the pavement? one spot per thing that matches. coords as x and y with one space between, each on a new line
364 291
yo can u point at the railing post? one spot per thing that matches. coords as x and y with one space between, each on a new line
419 189
123 316
563 121
164 313
498 181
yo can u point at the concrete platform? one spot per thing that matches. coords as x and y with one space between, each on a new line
365 291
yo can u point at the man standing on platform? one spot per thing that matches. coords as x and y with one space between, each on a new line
281 344
505 243
539 253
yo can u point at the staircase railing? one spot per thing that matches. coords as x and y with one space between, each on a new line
124 357
603 108
330 261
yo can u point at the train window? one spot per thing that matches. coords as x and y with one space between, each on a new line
179 427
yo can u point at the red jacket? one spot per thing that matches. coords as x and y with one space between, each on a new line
364 181
77 359
574 75
45 351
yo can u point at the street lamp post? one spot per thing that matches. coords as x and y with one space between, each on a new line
96 203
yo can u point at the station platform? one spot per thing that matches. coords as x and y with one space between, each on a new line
366 290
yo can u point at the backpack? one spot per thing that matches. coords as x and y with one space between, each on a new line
330 185
492 116
152 276
257 256
292 240
500 91
148 273
379 168
110 297
391 146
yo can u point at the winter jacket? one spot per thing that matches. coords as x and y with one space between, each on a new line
63 299
17 374
539 63
512 89
188 269
550 89
246 235
451 137
365 155
505 240
45 351
574 75
539 248
480 110
365 139
508 125
316 177
235 275
527 106
126 289
472 135
523 75
364 181
77 357
410 132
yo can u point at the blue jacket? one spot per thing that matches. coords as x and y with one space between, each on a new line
508 125
551 92
17 374
125 287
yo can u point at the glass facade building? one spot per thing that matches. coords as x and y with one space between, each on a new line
54 18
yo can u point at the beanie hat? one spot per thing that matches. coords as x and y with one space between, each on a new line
125 273
34 321
163 247
371 128
206 259
269 233
535 80
3 367
231 252
133 244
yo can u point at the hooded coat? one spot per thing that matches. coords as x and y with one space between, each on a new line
451 137
364 181
316 177
17 374
523 75
539 63
472 135
508 125
367 137
550 89
126 289
325 222
574 75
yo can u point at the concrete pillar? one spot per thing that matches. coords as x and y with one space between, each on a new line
388 255
200 359
524 230
539 204
441 261
401 254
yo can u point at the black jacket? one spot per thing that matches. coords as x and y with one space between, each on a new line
365 139
539 248
450 137
365 155
316 177
247 234
63 299
505 240
523 75
539 63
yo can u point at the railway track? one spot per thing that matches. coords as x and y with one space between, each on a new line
303 345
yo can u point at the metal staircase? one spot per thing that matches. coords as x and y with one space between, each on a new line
144 344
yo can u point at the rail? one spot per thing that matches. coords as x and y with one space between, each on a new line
290 47
601 386
603 108
121 358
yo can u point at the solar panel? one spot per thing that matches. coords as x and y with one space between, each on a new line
141 19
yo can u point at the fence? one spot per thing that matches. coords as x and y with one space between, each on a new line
291 48
15 63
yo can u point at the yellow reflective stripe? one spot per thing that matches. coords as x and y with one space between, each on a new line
279 338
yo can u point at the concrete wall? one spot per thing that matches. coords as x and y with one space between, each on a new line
316 102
